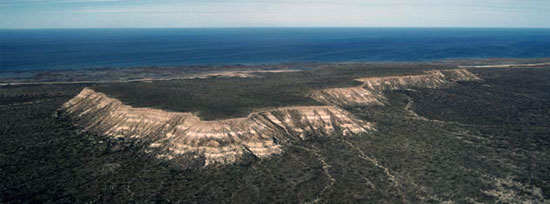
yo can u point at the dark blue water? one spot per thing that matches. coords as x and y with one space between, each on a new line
90 48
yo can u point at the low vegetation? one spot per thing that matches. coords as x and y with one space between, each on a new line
473 142
219 97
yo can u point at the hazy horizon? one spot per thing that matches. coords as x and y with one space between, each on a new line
32 14
274 27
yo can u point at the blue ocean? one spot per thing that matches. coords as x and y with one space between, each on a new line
50 49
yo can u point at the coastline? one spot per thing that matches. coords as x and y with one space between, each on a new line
149 74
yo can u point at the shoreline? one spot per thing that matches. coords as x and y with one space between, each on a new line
239 74
506 65
149 74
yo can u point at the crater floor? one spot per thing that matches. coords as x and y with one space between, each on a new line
260 134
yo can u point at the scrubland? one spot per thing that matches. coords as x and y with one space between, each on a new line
475 141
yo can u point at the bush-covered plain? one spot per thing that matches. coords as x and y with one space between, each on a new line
482 142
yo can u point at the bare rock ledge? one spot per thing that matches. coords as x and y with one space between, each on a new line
220 141
260 133
372 89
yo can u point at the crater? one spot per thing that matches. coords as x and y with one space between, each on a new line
260 133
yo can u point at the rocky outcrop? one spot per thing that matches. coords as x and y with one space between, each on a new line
260 134
372 89
221 141
348 96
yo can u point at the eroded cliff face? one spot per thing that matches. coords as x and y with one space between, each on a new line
372 89
260 134
220 141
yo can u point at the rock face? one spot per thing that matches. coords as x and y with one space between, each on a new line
219 141
260 134
372 89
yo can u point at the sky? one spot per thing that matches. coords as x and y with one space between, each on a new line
273 13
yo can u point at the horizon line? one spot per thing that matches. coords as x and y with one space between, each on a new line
260 27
